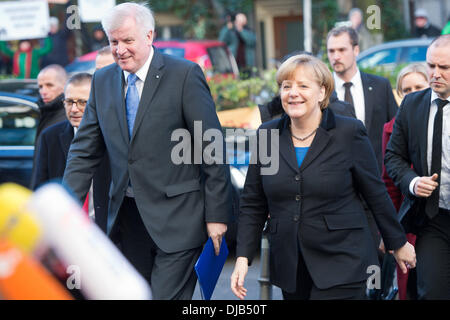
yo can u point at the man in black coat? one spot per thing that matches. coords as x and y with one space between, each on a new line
422 26
371 96
51 81
418 161
55 142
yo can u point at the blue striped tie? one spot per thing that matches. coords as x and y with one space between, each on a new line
132 101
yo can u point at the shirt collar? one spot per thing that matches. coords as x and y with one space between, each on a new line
434 96
142 72
356 80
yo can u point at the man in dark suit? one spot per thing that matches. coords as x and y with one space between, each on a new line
421 138
160 213
55 142
371 96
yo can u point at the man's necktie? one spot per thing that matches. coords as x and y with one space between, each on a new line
132 101
432 205
348 96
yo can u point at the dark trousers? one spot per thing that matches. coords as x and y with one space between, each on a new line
433 258
306 290
170 275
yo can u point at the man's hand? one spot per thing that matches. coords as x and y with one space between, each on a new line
406 257
424 186
216 231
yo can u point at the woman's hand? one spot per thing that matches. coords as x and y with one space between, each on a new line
406 257
238 276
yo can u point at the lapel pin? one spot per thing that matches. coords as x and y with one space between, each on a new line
370 88
157 76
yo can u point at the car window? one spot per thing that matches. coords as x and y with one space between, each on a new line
176 52
381 57
219 59
415 54
18 123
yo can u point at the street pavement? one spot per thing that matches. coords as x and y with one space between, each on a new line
223 290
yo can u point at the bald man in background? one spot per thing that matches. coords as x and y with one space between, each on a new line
104 58
51 82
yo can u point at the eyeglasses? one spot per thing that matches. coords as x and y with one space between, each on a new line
79 102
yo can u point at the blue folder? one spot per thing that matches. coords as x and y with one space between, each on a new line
209 266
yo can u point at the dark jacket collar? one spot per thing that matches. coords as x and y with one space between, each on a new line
328 121
55 104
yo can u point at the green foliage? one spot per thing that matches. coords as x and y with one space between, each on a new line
388 73
203 18
324 17
229 93
392 20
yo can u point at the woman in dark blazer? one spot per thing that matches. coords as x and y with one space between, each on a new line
320 242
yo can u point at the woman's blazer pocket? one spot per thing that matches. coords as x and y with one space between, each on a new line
182 187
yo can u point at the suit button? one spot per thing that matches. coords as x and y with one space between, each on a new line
297 177
297 197
130 161
296 217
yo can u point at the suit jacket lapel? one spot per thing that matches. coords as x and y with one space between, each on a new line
119 91
422 115
319 143
321 139
152 81
287 150
369 98
65 138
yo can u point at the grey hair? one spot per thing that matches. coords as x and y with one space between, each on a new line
141 13
104 51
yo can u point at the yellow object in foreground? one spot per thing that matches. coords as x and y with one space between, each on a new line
16 224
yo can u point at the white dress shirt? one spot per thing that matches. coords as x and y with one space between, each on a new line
91 209
357 92
444 191
141 76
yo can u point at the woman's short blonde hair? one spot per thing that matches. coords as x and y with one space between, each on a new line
318 69
411 68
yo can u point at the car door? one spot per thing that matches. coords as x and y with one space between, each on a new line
18 122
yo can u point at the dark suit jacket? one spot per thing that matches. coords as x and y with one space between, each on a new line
380 107
174 201
408 145
274 109
51 162
319 205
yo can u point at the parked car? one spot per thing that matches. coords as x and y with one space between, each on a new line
212 56
391 54
19 116
28 87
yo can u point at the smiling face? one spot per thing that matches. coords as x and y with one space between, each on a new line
78 93
438 63
301 94
130 46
